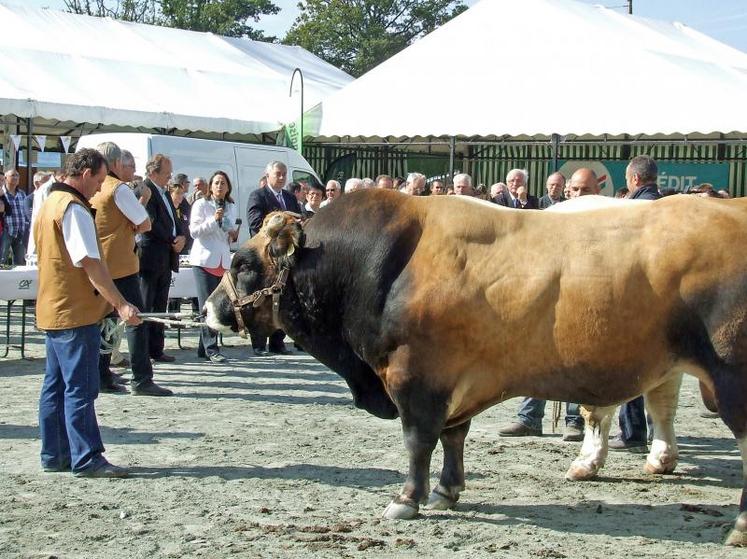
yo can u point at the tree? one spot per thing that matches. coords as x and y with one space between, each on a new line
356 35
223 17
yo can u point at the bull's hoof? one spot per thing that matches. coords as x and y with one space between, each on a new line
660 467
580 471
441 501
737 538
400 511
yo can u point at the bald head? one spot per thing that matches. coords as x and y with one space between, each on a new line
584 182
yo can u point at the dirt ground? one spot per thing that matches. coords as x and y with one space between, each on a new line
266 457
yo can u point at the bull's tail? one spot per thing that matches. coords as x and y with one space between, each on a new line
709 398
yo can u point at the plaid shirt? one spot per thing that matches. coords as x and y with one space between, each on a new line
16 221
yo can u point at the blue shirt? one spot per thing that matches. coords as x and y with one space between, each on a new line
16 221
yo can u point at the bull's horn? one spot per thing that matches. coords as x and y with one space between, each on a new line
275 225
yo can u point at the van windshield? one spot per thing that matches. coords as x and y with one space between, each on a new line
306 177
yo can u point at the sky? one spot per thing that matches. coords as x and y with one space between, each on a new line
724 20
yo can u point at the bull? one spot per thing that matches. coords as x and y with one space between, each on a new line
434 309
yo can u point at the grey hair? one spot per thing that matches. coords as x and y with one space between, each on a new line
275 165
127 157
41 176
353 184
645 167
368 183
522 172
462 176
111 152
412 177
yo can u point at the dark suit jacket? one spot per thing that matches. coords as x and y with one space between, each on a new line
262 201
546 202
504 199
647 192
154 247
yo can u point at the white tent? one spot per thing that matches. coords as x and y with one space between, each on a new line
80 69
531 68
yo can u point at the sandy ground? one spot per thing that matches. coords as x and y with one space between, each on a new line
266 457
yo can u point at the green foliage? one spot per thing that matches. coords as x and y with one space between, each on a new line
357 35
222 17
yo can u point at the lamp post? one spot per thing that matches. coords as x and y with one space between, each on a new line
290 94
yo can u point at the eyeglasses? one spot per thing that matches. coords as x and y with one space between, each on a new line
331 190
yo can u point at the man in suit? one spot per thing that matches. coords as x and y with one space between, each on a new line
270 198
529 418
159 250
555 185
641 177
518 195
463 185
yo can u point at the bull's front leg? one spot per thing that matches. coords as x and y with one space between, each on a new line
595 446
446 494
423 416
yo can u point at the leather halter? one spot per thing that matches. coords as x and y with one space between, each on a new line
255 299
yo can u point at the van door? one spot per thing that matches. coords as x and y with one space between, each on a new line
251 161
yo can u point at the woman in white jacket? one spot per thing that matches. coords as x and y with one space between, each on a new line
212 224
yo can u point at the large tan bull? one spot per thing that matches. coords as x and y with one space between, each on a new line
433 309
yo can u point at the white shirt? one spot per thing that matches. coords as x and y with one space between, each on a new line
79 233
128 204
40 194
162 192
210 248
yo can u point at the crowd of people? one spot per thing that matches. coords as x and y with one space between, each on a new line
107 242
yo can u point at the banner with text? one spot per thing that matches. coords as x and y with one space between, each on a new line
681 177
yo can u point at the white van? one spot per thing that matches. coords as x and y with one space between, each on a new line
244 163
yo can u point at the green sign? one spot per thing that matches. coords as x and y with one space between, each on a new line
681 177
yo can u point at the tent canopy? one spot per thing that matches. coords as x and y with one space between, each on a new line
527 69
60 66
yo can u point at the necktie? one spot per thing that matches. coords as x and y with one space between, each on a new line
516 202
280 200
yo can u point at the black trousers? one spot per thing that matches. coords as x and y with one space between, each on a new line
154 287
137 337
276 341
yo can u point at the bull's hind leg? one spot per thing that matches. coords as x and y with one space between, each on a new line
731 388
423 416
661 405
446 493
594 448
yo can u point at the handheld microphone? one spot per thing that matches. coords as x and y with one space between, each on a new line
220 203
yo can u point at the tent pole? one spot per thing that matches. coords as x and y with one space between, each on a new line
452 150
555 149
29 151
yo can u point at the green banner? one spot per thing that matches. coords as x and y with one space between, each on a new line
681 177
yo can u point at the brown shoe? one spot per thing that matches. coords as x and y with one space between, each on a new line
151 389
518 429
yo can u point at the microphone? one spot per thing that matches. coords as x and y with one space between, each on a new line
220 203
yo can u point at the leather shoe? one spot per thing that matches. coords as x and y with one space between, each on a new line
151 389
104 471
281 351
572 434
217 358
259 352
518 429
124 364
112 387
163 358
56 469
636 447
119 379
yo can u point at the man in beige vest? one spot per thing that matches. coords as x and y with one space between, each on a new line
75 293
119 216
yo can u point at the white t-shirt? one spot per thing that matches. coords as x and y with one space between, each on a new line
40 194
79 233
128 204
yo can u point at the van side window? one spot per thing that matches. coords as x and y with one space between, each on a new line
307 177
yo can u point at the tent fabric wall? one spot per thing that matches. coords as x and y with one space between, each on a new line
526 69
66 67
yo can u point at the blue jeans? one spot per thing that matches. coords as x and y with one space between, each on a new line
532 410
67 418
206 284
12 246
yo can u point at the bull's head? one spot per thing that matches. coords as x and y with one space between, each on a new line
244 299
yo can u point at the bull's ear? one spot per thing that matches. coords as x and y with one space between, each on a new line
285 235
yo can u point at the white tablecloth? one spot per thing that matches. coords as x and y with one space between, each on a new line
21 283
